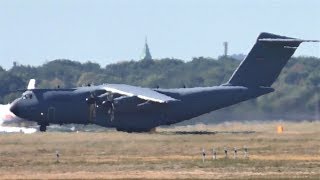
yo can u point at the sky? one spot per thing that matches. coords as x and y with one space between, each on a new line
107 31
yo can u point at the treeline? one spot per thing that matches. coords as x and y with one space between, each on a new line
296 94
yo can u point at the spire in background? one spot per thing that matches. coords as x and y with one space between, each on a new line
146 55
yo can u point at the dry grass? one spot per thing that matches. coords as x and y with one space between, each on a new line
166 154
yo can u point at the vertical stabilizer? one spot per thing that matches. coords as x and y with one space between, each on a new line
265 61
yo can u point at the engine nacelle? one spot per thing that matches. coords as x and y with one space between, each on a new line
92 99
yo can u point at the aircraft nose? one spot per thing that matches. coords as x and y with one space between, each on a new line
14 109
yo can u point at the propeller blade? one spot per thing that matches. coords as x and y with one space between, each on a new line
112 116
112 111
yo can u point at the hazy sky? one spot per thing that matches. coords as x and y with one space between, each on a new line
106 31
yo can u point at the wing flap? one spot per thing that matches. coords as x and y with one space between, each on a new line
142 93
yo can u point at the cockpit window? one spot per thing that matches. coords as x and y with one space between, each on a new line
27 96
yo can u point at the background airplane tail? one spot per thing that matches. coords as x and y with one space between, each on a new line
265 61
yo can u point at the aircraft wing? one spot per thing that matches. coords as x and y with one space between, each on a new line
140 92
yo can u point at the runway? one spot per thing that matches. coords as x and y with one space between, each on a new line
166 154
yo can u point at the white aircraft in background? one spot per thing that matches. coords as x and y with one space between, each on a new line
6 116
10 123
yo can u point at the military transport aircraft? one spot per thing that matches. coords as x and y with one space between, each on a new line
137 109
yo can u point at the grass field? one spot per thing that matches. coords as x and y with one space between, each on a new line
169 153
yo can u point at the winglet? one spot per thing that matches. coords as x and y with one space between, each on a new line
32 84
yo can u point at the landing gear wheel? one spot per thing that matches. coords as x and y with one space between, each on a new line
43 128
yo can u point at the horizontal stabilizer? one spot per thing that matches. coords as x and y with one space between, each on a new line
286 40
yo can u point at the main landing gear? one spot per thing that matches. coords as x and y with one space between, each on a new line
43 128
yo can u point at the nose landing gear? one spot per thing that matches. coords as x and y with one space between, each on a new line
43 127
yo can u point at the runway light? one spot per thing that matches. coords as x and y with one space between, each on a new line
245 152
225 152
214 152
57 156
203 155
280 129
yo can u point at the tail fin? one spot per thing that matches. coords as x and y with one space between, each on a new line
265 61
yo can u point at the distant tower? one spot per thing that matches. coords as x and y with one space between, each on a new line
146 55
225 45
